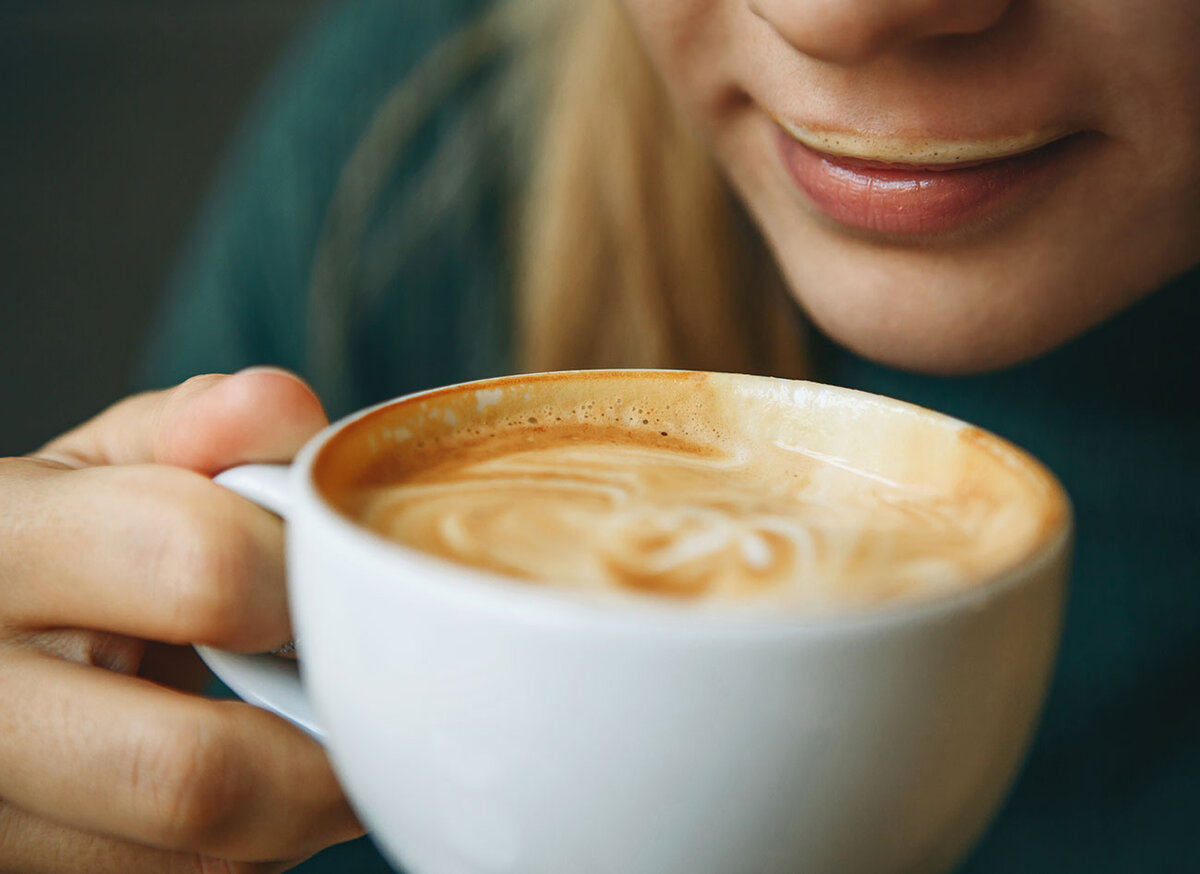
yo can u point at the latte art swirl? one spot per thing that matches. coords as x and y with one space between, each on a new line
691 522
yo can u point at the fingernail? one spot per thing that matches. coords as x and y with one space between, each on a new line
266 368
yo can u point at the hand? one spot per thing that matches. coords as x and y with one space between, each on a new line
116 553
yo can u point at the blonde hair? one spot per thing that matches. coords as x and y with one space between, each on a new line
630 251
634 251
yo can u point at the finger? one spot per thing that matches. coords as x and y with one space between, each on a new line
143 550
119 756
206 424
33 845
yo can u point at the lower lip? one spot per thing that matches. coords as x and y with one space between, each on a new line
912 200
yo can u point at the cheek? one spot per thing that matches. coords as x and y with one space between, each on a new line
1150 96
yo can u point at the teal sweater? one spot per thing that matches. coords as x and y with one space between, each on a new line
1113 780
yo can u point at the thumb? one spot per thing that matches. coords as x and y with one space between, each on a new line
206 424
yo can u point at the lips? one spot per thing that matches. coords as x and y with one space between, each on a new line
899 186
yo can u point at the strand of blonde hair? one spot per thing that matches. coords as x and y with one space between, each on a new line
634 252
631 251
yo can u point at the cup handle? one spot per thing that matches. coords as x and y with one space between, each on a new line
264 680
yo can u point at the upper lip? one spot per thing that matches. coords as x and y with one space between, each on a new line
921 151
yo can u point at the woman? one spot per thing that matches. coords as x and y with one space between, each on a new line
939 187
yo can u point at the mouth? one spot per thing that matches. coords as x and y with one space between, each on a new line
909 186
926 152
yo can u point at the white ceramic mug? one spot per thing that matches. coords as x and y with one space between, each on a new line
484 725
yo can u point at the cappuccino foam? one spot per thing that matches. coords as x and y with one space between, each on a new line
683 489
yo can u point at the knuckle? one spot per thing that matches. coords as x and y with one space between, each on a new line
199 381
206 564
189 778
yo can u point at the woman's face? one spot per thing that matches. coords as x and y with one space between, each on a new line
951 185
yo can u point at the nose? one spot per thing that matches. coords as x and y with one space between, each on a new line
851 32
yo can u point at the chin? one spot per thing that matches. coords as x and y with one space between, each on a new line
931 346
1007 295
967 310
932 313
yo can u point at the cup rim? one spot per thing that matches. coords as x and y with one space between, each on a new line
482 589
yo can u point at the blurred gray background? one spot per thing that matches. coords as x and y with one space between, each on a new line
113 117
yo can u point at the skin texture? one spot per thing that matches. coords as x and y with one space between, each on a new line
116 551
1117 218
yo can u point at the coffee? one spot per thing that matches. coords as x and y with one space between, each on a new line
699 488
